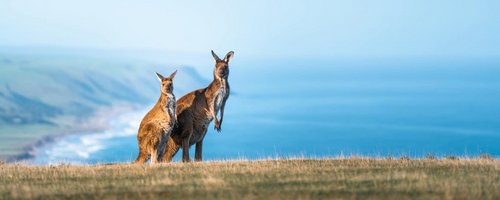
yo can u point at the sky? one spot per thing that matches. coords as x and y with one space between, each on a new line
309 29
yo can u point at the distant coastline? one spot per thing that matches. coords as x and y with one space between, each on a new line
97 122
67 91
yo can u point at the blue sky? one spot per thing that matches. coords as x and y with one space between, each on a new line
261 28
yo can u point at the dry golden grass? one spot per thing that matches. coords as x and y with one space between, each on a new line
350 178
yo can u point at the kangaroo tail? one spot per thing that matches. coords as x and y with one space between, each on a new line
142 157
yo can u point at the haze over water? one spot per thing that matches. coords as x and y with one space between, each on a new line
372 107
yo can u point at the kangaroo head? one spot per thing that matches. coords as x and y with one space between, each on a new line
167 86
221 70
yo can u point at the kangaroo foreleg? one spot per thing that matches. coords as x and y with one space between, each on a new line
214 115
222 114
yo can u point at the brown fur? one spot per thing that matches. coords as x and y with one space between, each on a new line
196 110
158 123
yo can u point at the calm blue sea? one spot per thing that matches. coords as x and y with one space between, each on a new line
314 108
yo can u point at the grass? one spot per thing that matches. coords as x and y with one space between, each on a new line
350 178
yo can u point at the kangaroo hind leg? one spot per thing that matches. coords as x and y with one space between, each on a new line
154 156
198 152
170 150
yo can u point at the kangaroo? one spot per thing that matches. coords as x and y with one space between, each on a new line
196 110
158 123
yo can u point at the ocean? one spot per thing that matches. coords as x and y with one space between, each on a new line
320 108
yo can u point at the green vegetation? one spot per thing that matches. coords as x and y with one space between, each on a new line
353 178
43 96
47 95
35 89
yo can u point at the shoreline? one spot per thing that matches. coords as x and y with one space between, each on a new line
97 122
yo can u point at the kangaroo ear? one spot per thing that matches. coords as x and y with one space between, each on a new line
172 75
215 56
229 56
160 77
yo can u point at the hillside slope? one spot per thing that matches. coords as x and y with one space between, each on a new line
44 95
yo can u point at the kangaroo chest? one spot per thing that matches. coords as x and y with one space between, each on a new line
200 129
166 127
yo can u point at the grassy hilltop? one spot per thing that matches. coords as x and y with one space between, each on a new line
353 178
